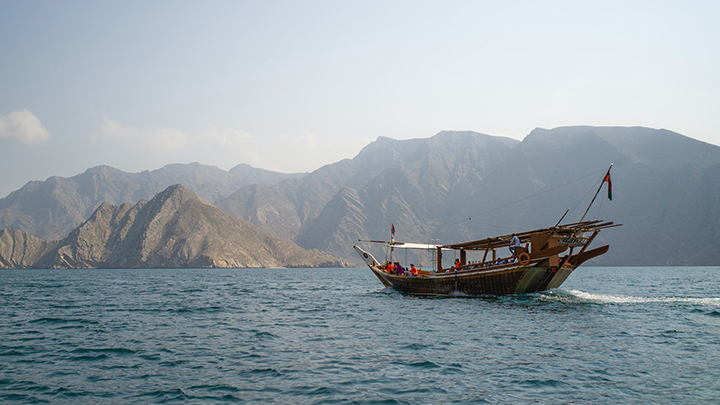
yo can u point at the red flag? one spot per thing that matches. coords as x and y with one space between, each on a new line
393 228
607 179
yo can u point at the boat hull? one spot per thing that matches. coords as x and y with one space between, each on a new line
515 280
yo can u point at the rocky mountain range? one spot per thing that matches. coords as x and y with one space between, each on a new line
414 183
456 186
459 186
174 229
50 209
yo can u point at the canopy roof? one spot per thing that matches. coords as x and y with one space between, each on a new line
406 245
505 240
427 246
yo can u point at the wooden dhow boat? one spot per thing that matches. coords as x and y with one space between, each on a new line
543 261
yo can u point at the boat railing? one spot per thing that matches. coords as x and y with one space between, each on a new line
480 264
573 241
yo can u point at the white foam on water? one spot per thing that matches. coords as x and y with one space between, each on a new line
629 299
389 290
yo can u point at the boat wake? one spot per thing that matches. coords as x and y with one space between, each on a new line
388 290
575 296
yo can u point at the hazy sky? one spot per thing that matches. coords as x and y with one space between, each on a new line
294 85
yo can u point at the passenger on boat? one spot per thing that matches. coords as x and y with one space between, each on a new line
457 265
514 243
413 270
399 270
390 269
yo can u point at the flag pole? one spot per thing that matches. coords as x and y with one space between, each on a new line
392 239
597 192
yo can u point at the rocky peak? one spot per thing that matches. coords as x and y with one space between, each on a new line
174 229
177 193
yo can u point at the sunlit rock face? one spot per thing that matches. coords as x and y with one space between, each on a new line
175 229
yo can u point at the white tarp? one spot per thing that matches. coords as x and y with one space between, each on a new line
427 246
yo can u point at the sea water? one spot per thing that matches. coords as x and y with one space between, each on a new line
325 336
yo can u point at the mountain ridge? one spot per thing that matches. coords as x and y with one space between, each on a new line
463 185
175 229
50 209
423 195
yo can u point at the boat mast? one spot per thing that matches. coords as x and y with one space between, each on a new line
392 239
562 217
596 193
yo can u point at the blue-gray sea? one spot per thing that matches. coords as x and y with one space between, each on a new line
324 336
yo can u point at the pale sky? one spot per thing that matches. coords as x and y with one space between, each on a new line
294 85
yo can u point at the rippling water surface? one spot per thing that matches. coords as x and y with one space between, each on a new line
610 335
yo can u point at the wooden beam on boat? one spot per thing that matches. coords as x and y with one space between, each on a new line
548 252
588 242
586 226
439 259
580 224
582 257
505 240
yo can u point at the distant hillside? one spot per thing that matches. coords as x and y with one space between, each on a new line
427 169
52 208
666 192
175 229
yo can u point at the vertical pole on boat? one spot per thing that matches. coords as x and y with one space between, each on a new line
597 192
432 251
392 240
439 259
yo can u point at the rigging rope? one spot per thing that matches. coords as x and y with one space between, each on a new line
583 197
527 198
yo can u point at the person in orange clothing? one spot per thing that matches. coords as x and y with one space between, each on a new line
413 270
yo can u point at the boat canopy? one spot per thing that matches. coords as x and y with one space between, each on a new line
571 234
422 246
405 245
570 231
